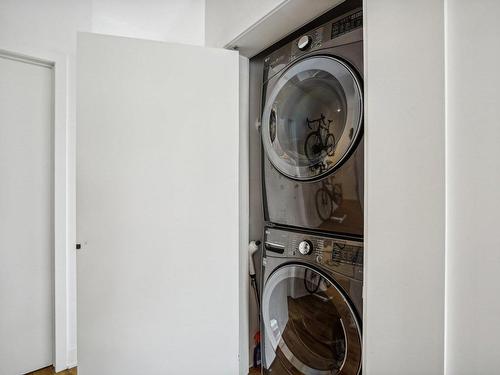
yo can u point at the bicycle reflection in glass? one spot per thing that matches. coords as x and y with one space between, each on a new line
328 199
320 139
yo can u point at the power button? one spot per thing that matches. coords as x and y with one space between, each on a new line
304 42
305 247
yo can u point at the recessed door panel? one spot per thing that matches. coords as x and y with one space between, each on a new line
26 215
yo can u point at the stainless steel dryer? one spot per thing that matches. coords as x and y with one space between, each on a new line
312 129
311 304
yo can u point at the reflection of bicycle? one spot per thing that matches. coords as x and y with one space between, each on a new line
328 198
315 142
312 280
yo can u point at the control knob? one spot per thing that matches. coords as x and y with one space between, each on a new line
305 247
304 42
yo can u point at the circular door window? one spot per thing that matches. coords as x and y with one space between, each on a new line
310 327
312 118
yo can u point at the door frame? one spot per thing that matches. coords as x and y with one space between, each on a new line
62 246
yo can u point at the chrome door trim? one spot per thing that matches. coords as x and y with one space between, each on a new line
270 285
306 173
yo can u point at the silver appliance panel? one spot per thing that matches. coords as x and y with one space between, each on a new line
340 31
340 256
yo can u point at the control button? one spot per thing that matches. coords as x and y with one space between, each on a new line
305 247
304 42
319 259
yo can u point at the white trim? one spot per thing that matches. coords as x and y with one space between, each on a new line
365 198
447 251
244 207
59 64
26 59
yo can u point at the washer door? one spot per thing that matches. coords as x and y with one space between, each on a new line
312 118
310 327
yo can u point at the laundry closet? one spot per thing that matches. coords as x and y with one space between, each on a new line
392 257
307 156
181 201
350 146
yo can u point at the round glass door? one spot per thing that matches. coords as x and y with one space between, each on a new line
310 327
312 118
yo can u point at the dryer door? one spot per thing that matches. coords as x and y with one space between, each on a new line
309 325
312 117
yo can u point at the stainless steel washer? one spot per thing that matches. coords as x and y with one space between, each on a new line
311 304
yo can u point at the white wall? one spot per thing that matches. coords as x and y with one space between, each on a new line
473 193
180 21
50 26
405 187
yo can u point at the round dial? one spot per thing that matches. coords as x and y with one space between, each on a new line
305 247
304 42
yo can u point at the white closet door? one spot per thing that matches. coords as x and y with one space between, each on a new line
26 216
157 208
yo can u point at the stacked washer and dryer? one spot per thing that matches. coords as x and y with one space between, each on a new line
312 137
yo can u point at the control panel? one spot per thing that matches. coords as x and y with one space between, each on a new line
310 41
339 255
346 24
313 40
